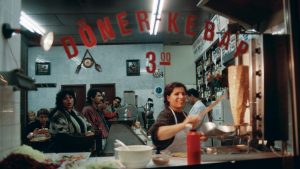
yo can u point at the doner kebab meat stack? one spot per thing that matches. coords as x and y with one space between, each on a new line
238 80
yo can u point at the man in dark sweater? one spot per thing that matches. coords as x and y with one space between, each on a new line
39 126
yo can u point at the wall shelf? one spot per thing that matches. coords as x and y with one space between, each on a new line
248 13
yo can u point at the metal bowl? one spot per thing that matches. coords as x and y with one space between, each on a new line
211 129
226 129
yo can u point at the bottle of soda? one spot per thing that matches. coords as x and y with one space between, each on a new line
193 147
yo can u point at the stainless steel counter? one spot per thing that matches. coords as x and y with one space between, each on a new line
231 159
121 132
251 160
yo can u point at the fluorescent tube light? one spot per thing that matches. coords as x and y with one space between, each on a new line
30 24
156 28
26 24
157 7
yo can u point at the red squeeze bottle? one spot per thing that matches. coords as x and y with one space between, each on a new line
193 147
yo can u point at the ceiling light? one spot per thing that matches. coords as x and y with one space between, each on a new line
157 7
31 24
45 40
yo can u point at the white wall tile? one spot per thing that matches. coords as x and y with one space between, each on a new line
16 135
9 13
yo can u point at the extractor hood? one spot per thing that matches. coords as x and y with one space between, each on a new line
248 13
18 80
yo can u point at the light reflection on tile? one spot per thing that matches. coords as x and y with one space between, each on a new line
9 121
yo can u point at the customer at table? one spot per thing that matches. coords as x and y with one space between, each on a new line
169 131
39 126
65 119
70 131
116 104
31 117
96 117
93 113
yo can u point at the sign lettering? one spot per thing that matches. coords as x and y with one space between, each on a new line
108 33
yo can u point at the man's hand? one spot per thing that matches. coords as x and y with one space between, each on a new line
89 133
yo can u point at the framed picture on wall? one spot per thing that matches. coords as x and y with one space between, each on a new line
133 67
42 68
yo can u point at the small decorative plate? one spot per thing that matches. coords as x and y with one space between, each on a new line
88 62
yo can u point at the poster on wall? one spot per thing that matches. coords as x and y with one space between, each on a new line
42 68
133 67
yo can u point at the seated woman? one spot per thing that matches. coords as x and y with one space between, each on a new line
71 131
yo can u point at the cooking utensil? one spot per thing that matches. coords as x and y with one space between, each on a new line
226 129
207 127
122 144
207 109
78 69
210 129
98 67
88 61
211 106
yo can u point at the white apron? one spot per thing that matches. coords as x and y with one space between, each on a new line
179 142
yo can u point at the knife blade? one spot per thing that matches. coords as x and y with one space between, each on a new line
211 106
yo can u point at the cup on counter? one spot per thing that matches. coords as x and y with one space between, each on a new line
162 158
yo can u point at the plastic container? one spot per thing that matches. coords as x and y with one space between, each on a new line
193 147
161 159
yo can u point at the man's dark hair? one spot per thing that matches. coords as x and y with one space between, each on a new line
118 98
193 92
91 94
59 100
60 97
43 111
